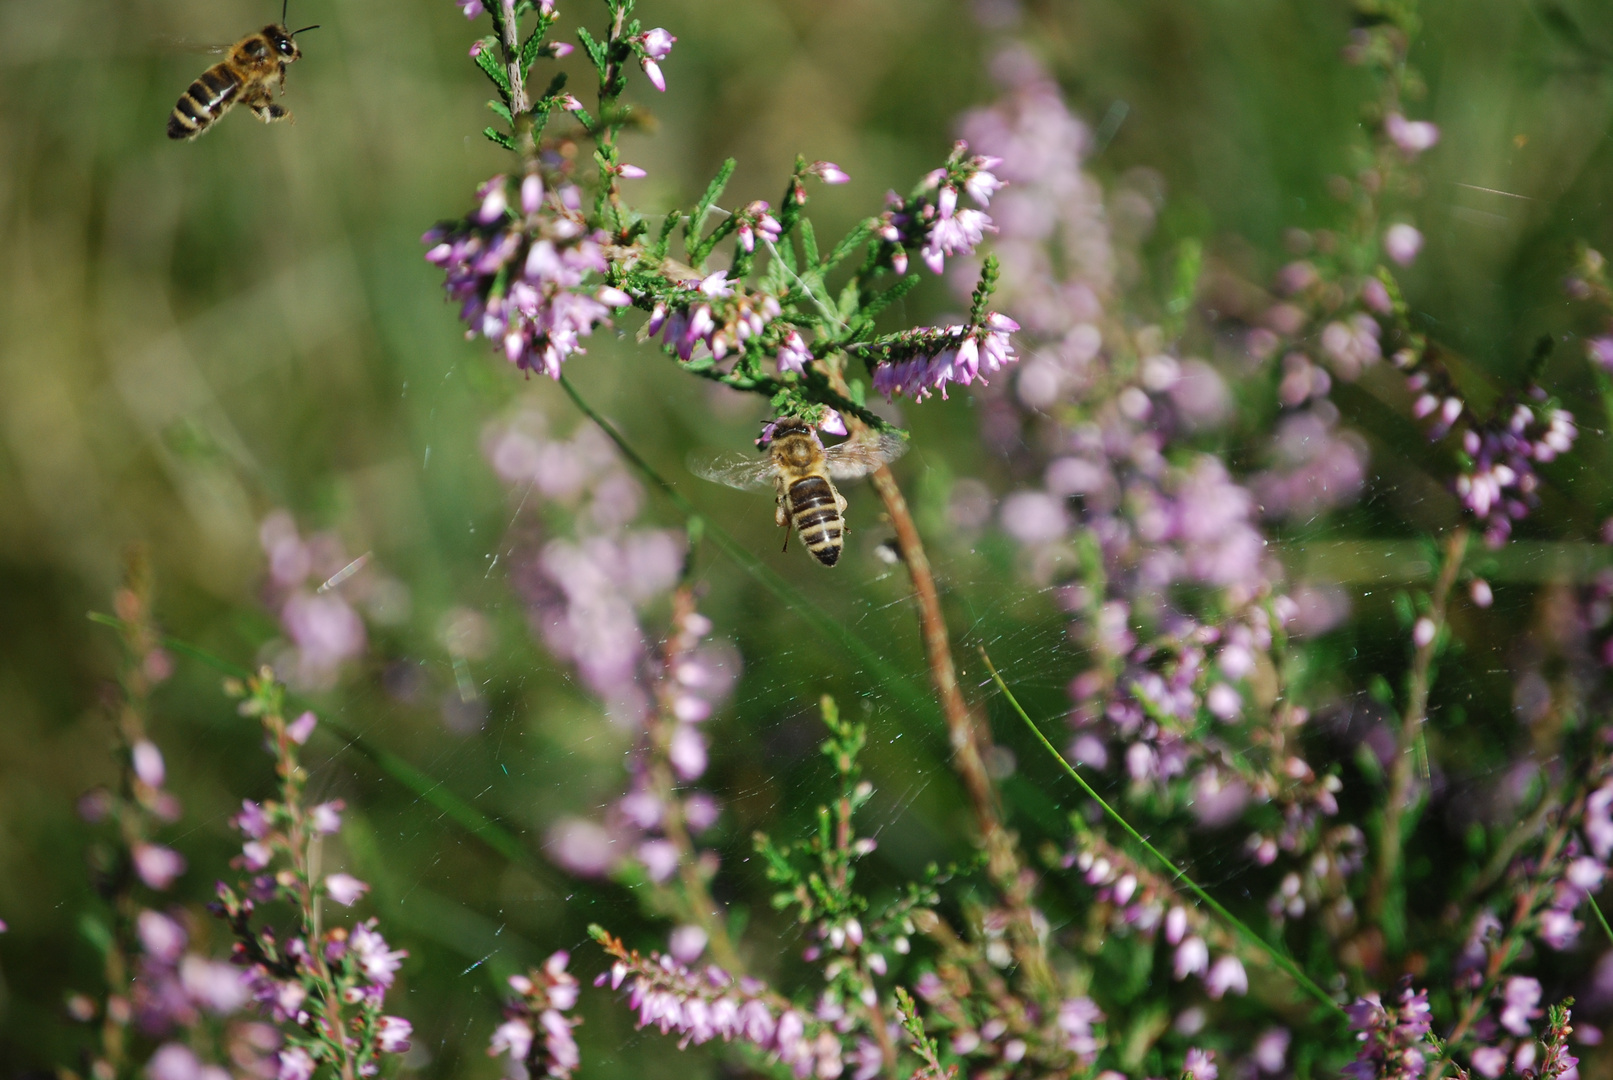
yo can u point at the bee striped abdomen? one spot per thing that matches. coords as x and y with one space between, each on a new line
815 512
203 102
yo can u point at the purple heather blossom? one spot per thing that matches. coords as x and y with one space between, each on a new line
1481 593
302 728
654 46
147 762
1226 974
687 943
1271 1050
162 939
1200 1064
1392 1038
582 847
828 172
345 889
547 306
326 817
157 866
1411 136
295 1064
924 361
377 960
756 221
1600 351
1520 1004
471 8
392 1034
1402 242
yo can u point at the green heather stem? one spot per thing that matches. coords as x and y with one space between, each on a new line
1176 872
1404 773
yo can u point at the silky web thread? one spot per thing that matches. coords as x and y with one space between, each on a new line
1176 872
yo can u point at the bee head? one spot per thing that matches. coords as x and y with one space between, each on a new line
283 42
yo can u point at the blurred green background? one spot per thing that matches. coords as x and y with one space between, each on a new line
194 334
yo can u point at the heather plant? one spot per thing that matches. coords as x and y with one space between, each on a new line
1234 829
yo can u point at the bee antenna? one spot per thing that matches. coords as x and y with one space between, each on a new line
305 29
283 5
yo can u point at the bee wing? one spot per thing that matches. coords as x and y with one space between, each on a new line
859 457
733 468
167 44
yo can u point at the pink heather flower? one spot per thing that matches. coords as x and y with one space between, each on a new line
687 943
1411 136
1422 634
174 1061
392 1035
793 354
832 423
345 889
630 172
161 938
1227 974
252 821
1600 350
657 43
301 728
471 8
828 172
218 987
568 103
660 859
1489 1061
255 854
1223 702
1200 1064
1521 999
295 1064
326 631
1375 295
157 866
652 71
1192 955
379 962
3 926
326 818
954 232
1271 1050
1035 517
582 847
700 812
513 1037
687 752
1481 593
147 762
1402 242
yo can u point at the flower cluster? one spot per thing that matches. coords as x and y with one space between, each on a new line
318 593
920 362
711 1004
328 985
931 222
543 997
584 594
521 279
1497 482
1393 1037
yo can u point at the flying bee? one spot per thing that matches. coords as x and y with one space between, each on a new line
802 472
254 66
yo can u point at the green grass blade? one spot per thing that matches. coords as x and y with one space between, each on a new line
889 679
1176 872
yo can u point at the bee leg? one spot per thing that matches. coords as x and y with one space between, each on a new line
786 546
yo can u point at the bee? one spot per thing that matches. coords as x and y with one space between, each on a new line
255 65
802 472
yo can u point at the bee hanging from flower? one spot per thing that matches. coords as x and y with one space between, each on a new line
802 472
254 66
